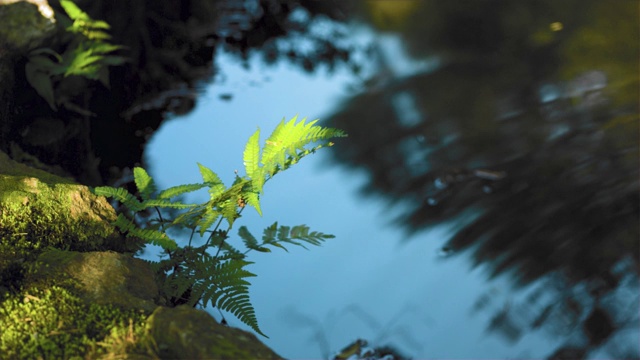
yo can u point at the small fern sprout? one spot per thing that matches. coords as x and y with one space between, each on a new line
214 272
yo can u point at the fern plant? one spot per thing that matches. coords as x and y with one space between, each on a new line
88 55
208 269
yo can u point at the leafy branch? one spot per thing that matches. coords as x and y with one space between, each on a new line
214 272
88 55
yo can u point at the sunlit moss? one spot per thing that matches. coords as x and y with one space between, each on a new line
47 211
52 323
34 215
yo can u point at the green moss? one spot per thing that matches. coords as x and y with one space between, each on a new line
99 277
55 324
35 215
187 333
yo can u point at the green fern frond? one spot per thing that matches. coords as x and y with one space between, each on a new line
104 48
275 236
177 283
299 135
274 149
83 23
135 205
283 236
150 235
216 186
224 286
204 223
229 212
253 199
251 156
165 203
230 252
144 182
74 11
227 202
281 149
191 217
96 35
301 232
121 195
83 61
250 241
179 190
269 236
251 160
289 137
98 24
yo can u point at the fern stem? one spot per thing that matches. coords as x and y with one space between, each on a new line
193 231
219 248
224 238
160 217
224 320
206 244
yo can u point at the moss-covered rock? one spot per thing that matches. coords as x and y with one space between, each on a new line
65 294
108 297
38 210
187 333
105 278
53 323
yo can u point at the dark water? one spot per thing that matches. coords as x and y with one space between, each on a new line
514 125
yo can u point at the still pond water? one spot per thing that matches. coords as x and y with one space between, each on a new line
476 216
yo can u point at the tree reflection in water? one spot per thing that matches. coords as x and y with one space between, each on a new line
526 138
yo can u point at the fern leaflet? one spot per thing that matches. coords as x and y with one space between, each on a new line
149 235
275 236
251 156
122 195
224 285
216 187
180 190
165 203
144 183
289 136
204 223
250 241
